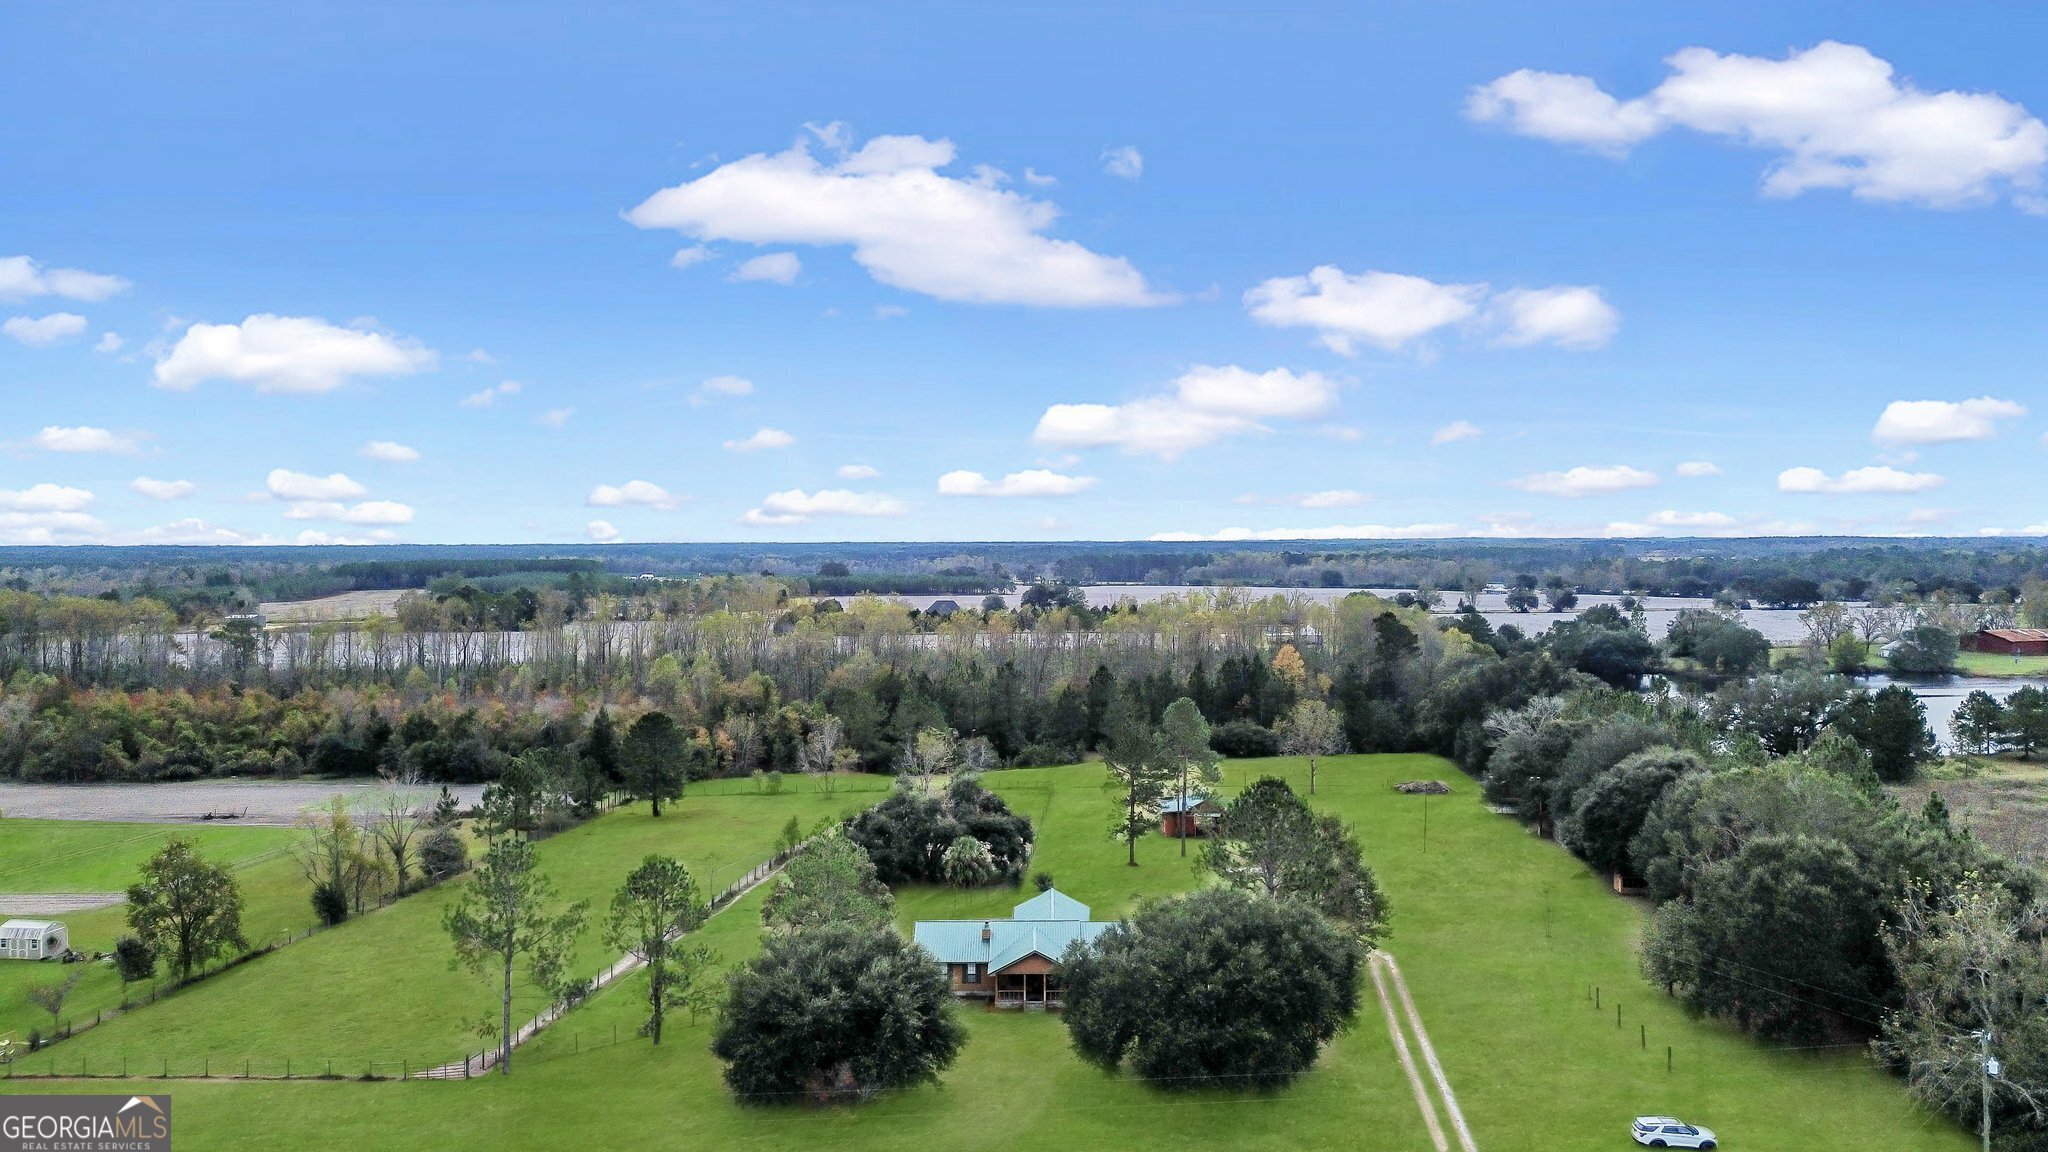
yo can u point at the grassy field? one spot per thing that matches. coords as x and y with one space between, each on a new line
2002 802
63 856
1993 664
1502 937
379 990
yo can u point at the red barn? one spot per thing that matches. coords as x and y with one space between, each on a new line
1196 817
2009 641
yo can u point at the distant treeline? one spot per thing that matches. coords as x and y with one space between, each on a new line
904 583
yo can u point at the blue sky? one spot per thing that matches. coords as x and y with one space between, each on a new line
511 272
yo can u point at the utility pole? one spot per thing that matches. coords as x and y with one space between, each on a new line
1986 1069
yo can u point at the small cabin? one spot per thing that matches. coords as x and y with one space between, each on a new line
1195 816
1012 963
33 939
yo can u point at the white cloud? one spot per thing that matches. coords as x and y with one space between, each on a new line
554 417
1206 404
485 397
45 498
1332 532
43 331
633 492
1455 431
193 530
771 268
762 439
797 506
48 527
954 238
1670 521
1695 469
684 258
1585 481
718 386
163 489
1330 498
109 342
390 452
1124 162
54 438
367 512
1031 482
1567 316
1385 309
858 472
1834 116
21 278
1877 479
1943 421
286 354
1039 179
288 485
311 538
601 531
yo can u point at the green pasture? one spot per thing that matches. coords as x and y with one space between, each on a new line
1503 938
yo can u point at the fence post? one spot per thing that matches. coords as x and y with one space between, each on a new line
1667 1057
287 1067
1617 1013
1643 1031
1596 995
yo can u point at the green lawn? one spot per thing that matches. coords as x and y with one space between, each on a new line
379 988
1500 935
79 856
1993 664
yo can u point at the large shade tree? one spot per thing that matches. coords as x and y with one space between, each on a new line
185 908
650 914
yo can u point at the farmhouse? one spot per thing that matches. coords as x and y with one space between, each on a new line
33 939
2008 641
1198 814
1012 963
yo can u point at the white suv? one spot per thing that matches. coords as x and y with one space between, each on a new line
1665 1132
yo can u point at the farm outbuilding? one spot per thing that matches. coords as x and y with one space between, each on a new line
2008 641
1196 815
33 939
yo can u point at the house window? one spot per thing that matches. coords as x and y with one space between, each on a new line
973 974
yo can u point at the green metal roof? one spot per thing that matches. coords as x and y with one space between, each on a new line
1045 924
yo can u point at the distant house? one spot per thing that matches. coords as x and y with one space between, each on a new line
1198 815
2008 641
1012 963
33 939
942 608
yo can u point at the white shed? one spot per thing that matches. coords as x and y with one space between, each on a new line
33 939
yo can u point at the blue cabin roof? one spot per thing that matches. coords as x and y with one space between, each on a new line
1195 802
1044 925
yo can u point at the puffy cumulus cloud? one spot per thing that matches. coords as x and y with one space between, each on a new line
1943 421
301 354
765 439
286 484
1834 116
1672 522
366 512
1030 482
109 342
797 506
21 278
45 498
193 530
43 331
601 531
770 268
1332 532
858 472
641 493
1393 310
1694 469
719 386
163 489
1567 316
390 452
1206 404
1879 479
1585 480
49 527
963 238
1455 431
313 537
85 438
1124 162
486 397
685 258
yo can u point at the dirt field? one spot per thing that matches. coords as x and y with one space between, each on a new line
249 802
2003 802
346 606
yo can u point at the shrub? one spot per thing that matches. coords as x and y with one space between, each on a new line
443 854
967 863
1244 740
909 834
1047 755
134 959
330 903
